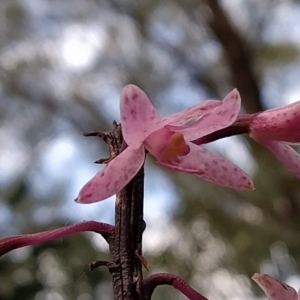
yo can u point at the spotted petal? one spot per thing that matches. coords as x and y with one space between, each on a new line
213 120
211 167
275 289
285 154
138 116
191 114
113 177
279 124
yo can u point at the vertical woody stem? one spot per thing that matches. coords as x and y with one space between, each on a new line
126 245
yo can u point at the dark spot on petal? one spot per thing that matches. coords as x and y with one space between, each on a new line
133 113
134 96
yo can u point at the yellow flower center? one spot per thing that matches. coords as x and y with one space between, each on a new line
175 147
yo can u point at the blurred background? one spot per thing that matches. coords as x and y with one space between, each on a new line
62 67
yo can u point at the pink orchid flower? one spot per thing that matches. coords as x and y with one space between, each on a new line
275 289
169 140
275 128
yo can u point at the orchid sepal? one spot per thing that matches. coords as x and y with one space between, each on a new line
113 177
217 118
274 288
211 167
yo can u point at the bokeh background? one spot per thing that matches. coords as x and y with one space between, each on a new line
62 67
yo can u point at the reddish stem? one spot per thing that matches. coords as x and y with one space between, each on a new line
153 281
240 126
13 242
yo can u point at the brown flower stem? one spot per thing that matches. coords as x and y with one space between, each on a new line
126 244
99 263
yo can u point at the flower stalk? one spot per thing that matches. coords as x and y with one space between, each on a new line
126 245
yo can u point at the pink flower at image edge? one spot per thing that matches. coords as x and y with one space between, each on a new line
274 288
275 129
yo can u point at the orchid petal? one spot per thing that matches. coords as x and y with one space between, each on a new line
215 119
280 124
210 167
191 114
113 177
138 116
14 242
275 289
284 153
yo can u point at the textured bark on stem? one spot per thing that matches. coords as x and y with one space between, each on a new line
126 244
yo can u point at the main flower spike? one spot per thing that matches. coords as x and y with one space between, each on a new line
275 289
169 140
275 128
